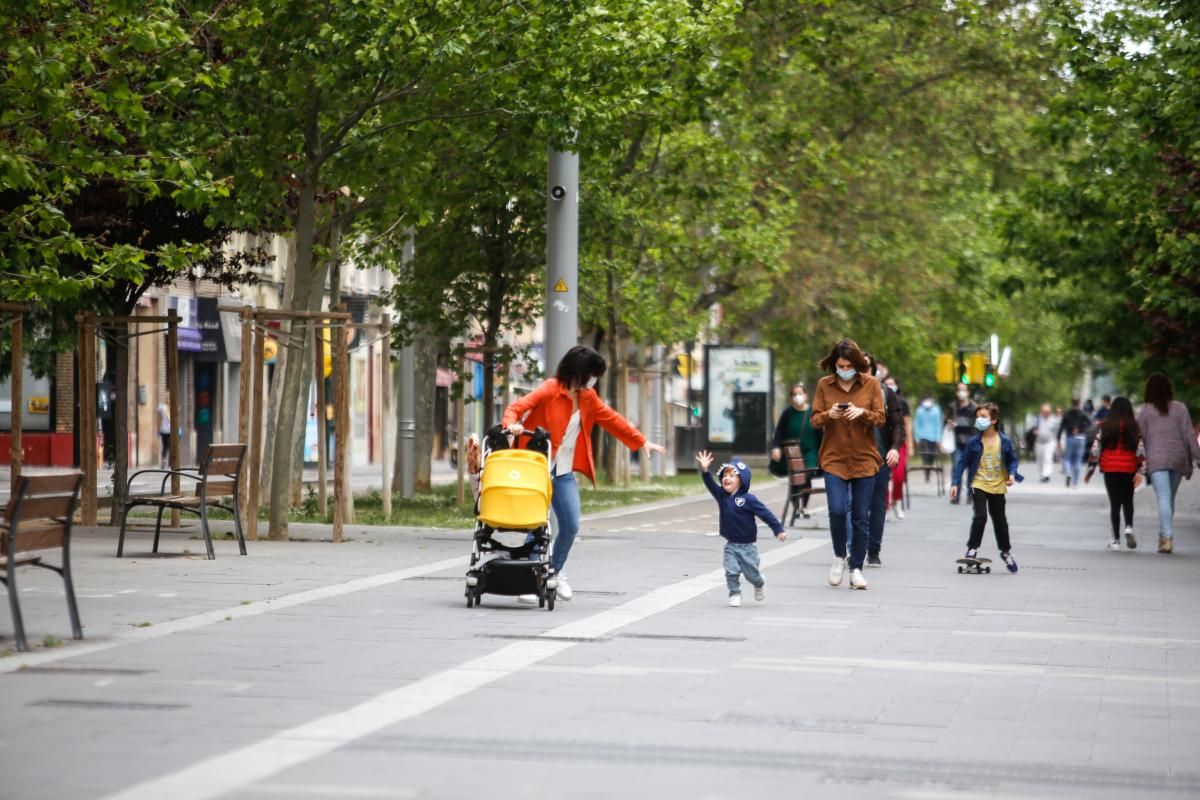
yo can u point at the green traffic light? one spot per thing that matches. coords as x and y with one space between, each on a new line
964 378
989 380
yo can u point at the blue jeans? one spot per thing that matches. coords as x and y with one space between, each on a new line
850 498
1166 484
879 508
741 558
565 503
1073 457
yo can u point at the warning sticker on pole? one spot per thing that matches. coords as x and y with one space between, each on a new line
561 286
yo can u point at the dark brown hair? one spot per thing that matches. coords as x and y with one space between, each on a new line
578 366
847 349
992 409
1159 392
1120 427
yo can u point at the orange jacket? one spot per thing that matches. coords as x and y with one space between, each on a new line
549 407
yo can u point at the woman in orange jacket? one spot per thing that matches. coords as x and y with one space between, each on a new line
567 406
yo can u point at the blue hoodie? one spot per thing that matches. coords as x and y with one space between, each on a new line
738 510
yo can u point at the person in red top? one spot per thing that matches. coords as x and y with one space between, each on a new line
1116 451
567 406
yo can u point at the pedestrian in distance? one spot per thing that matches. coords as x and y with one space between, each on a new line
848 406
1103 411
1072 436
1171 450
1045 442
889 438
927 427
990 463
567 407
1117 451
906 447
738 510
795 425
964 427
164 431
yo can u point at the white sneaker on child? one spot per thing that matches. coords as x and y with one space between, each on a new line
735 601
760 592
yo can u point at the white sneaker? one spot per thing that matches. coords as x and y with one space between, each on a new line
735 601
760 592
1113 545
564 588
836 572
1130 540
857 581
899 510
527 599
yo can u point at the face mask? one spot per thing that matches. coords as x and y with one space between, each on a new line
799 399
846 375
591 384
962 395
982 423
927 403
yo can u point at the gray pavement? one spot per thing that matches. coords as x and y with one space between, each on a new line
309 670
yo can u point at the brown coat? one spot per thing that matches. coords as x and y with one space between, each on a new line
849 449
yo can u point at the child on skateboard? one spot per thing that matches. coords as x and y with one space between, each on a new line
738 509
990 461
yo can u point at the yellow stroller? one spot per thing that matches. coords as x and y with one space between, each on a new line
514 498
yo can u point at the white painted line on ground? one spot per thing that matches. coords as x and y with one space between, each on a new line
230 772
964 668
1084 637
14 663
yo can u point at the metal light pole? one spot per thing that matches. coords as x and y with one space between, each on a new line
562 257
406 399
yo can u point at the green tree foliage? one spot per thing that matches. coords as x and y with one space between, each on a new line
1114 229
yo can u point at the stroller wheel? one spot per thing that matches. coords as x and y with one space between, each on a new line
471 598
550 593
541 601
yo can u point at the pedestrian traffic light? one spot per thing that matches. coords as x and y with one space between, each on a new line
683 365
976 369
944 368
989 375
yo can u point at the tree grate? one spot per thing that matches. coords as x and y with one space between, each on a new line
108 705
831 766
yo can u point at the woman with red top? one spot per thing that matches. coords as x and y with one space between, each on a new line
1116 451
567 406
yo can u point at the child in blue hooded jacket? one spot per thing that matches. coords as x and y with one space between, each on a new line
739 528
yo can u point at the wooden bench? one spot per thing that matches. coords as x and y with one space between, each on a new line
218 476
38 518
799 480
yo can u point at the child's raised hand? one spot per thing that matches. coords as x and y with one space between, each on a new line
781 536
704 458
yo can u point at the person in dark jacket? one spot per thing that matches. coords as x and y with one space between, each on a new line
1074 429
889 439
739 528
964 420
990 461
1117 451
795 425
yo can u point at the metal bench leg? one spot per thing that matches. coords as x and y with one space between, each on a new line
208 545
158 528
14 604
237 526
69 589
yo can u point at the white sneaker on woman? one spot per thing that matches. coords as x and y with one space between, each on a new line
564 588
1115 544
857 581
898 508
836 572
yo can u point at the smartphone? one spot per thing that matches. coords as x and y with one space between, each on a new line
843 406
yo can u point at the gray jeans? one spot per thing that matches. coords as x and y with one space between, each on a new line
741 559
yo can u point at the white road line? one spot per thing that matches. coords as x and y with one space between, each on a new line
1084 637
14 663
237 770
962 668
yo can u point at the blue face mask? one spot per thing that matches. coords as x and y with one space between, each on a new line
982 423
846 375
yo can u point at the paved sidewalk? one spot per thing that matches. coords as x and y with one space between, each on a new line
309 670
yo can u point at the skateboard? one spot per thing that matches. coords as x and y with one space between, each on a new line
974 565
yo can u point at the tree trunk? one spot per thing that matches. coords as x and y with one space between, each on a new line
293 371
120 423
425 356
315 295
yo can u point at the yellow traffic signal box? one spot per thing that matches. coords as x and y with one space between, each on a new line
945 368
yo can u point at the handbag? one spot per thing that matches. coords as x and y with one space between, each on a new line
947 443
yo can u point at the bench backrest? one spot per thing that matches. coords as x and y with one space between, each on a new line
39 515
220 469
793 456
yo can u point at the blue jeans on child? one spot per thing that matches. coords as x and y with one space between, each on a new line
849 498
1166 484
741 558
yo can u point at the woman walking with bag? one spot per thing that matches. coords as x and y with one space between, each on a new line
1116 450
1171 449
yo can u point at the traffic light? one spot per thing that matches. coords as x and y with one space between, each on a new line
989 375
976 369
683 365
944 368
963 375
